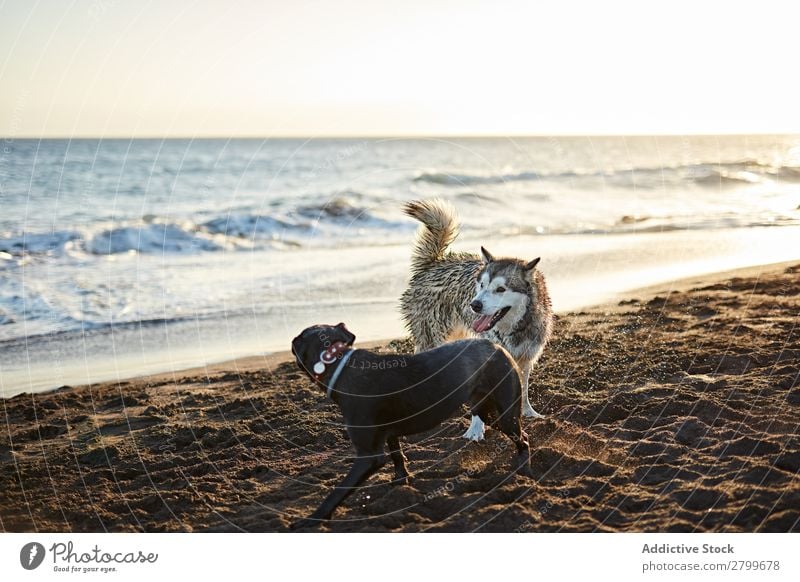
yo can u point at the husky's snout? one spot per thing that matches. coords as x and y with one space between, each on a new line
476 305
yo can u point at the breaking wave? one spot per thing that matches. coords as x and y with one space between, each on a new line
302 225
704 174
456 179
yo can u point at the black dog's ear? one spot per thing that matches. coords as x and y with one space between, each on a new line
351 338
296 352
530 266
487 256
297 344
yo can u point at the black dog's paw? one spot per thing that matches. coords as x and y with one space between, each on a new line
403 480
524 466
526 471
306 523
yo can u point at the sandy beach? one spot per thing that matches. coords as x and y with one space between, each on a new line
674 409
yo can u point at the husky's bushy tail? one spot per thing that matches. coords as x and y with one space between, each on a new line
439 229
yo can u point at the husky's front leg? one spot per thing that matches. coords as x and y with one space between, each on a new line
476 429
527 409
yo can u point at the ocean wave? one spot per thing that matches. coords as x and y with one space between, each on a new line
460 179
150 238
336 217
291 227
644 224
733 173
739 172
6 318
23 303
141 237
634 224
716 178
67 326
42 243
335 208
249 226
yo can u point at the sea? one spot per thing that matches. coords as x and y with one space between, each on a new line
123 257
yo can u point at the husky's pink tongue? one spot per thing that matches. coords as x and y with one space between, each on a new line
482 323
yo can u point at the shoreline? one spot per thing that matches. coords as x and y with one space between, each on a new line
269 360
670 410
272 360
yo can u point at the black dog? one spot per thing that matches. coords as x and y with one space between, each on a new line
383 397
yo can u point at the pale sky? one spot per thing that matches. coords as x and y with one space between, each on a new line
263 68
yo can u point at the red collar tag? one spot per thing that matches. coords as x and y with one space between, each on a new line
334 352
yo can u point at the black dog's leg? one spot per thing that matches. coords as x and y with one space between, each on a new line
511 426
508 400
362 469
401 475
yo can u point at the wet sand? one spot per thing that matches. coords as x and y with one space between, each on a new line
675 409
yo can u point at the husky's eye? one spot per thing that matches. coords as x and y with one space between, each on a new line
500 290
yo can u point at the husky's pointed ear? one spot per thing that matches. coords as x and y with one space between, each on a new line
487 256
530 266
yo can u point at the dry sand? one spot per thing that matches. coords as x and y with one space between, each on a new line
671 411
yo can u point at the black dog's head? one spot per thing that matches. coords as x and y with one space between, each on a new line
314 340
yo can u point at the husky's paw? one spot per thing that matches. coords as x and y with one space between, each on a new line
475 430
529 412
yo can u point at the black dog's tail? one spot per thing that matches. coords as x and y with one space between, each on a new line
439 229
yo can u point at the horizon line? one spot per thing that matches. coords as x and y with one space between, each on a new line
10 139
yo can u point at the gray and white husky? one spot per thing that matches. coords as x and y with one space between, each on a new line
454 295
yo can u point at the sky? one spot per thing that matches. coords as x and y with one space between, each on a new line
120 68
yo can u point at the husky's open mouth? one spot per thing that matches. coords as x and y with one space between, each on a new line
487 322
